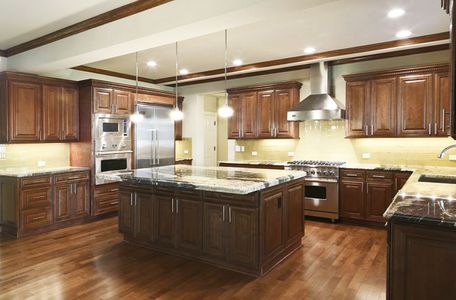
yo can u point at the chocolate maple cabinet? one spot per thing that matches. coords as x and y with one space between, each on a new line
112 101
38 109
261 111
366 194
42 203
408 102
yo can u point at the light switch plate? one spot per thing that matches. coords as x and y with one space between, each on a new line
237 148
366 155
41 163
452 157
254 153
2 151
291 154
242 148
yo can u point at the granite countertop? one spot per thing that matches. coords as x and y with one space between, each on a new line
425 202
29 172
383 167
216 179
255 162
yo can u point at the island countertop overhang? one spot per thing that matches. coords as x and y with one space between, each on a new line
215 179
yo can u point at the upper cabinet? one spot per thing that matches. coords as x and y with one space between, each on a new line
37 109
112 101
411 102
260 112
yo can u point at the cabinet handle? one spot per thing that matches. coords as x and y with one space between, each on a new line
113 203
351 175
272 131
229 214
436 128
223 213
443 119
177 206
372 129
362 187
74 177
378 176
37 218
172 205
366 128
74 188
430 129
395 184
114 190
131 199
135 198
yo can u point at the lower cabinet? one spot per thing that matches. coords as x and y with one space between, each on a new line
189 224
106 199
365 195
71 200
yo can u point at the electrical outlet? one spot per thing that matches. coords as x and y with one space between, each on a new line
2 151
186 151
237 148
242 148
366 155
254 153
41 163
291 154
452 157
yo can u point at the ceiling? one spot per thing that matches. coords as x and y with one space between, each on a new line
330 26
38 18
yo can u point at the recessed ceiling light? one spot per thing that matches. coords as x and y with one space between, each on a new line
403 34
152 63
237 62
183 71
396 12
309 50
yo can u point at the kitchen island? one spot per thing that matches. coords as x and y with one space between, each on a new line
246 220
422 237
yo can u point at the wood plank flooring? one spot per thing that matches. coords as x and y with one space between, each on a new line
91 261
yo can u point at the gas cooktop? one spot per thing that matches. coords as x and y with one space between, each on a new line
315 163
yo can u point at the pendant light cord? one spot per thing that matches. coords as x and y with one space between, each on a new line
177 79
226 65
137 75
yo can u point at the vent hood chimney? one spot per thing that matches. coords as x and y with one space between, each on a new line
319 105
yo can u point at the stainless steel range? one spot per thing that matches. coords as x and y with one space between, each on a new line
321 195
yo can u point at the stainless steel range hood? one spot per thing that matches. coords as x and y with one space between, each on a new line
319 105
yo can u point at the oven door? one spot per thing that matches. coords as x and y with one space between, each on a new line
321 196
113 162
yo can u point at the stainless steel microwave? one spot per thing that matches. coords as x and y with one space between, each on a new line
112 126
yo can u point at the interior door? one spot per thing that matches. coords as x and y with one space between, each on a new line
164 139
145 133
210 140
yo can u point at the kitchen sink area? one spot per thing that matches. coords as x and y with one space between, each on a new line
437 179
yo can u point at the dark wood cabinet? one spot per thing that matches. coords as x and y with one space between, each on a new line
51 113
293 208
62 208
189 225
366 194
106 199
122 103
166 222
274 236
103 100
126 212
400 178
214 230
112 101
72 197
145 217
70 114
421 261
24 113
234 122
415 105
409 102
261 111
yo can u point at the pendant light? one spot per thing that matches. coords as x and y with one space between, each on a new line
176 114
136 117
225 111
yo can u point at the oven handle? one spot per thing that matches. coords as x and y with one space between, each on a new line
321 180
98 154
317 199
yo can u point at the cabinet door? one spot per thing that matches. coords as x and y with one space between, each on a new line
351 195
357 98
242 236
378 198
146 216
273 238
189 231
122 103
126 213
400 178
103 99
214 230
249 115
265 114
24 112
81 200
62 202
415 105
234 122
442 104
294 213
383 116
70 114
284 100
52 97
166 222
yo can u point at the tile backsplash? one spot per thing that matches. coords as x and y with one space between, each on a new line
324 140
30 155
184 149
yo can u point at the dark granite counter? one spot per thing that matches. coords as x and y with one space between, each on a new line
217 179
27 172
425 202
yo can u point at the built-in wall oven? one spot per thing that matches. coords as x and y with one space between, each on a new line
113 162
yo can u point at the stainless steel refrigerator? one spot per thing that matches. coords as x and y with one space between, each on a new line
154 137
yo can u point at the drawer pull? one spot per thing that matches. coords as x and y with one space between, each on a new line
378 176
37 218
114 190
351 175
74 177
113 203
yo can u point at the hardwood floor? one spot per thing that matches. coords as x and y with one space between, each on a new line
90 261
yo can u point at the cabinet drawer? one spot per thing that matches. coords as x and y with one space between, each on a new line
352 173
36 218
35 198
35 181
106 203
379 175
71 176
106 189
241 200
189 194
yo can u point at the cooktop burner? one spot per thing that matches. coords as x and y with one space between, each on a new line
316 163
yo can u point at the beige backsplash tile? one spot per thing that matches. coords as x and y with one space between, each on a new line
184 145
28 155
325 140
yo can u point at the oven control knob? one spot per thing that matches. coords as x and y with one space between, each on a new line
312 172
103 146
325 172
332 172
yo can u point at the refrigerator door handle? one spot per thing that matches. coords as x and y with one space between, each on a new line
152 146
158 147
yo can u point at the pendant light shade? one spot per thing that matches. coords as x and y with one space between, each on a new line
176 114
226 111
136 117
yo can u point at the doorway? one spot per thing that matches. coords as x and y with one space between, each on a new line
210 139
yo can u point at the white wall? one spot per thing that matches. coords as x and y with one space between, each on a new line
193 109
3 64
